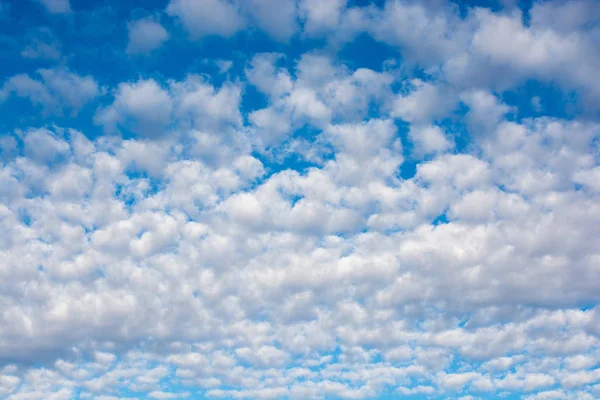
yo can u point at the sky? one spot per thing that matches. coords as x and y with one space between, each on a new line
299 199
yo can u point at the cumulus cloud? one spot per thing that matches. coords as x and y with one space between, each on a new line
486 48
425 103
378 277
321 16
150 109
538 51
425 34
277 18
429 139
304 226
145 35
143 105
56 90
56 6
207 17
322 92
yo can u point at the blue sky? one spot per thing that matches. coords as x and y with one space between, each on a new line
303 199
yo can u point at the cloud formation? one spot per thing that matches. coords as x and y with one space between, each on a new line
56 6
55 90
145 35
295 222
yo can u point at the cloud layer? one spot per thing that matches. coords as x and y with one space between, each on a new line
295 222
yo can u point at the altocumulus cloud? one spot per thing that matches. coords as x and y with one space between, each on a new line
300 199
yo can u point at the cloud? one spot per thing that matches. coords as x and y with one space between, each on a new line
149 109
539 51
429 139
43 45
298 225
534 52
425 103
56 6
317 287
56 90
493 49
485 110
565 16
42 146
277 18
167 395
145 35
321 16
321 92
144 106
207 17
425 34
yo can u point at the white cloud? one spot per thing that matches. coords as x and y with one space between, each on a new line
263 74
534 52
425 34
193 253
144 106
321 16
207 17
491 49
566 16
43 146
275 17
485 111
537 51
321 92
145 35
8 384
429 139
589 178
167 395
57 90
266 356
425 103
204 106
151 110
56 6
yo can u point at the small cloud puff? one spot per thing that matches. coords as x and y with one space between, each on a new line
145 35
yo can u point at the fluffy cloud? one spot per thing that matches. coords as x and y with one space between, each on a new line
56 90
424 103
303 226
275 17
143 105
207 17
321 16
321 93
306 291
429 139
537 51
145 35
486 48
424 34
149 109
225 18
